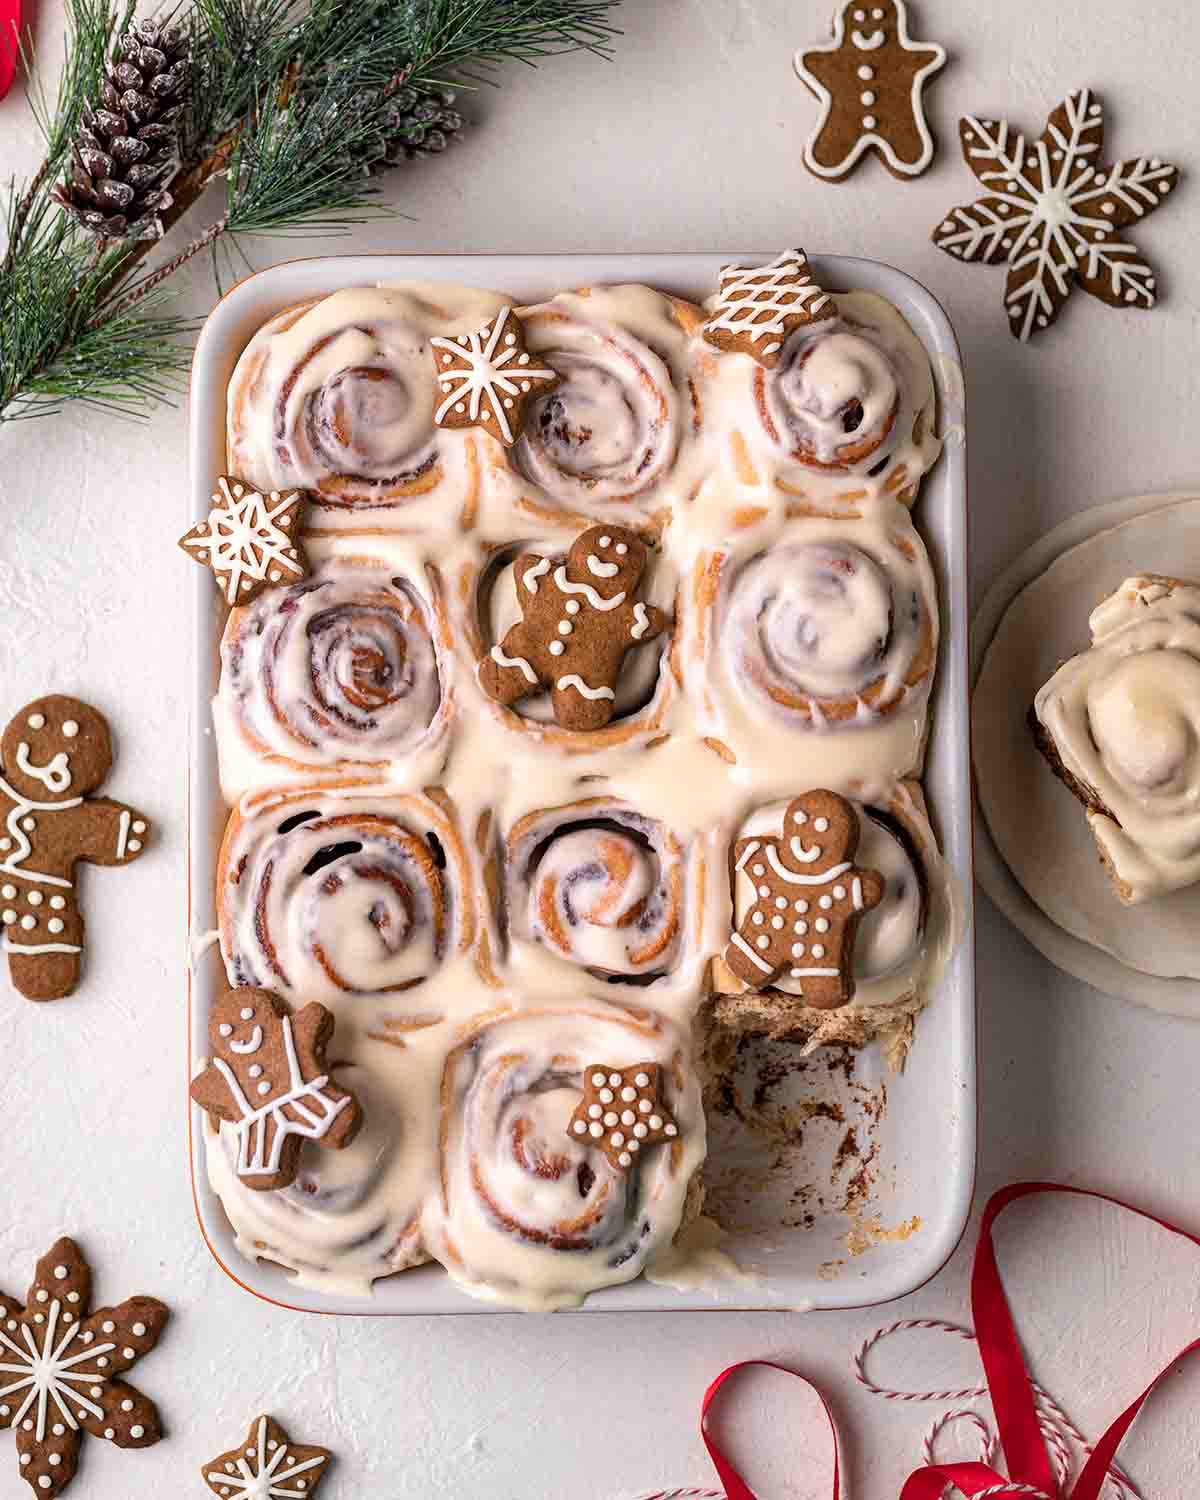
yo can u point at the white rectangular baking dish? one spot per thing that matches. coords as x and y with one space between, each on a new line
924 1144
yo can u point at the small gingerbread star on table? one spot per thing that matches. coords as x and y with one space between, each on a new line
622 1112
248 539
487 376
267 1466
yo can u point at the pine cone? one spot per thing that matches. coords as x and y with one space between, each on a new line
417 123
125 153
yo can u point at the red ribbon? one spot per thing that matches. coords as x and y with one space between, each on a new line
1029 1465
10 31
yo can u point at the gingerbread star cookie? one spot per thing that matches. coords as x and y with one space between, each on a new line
810 897
870 81
53 755
59 1369
1052 209
269 1079
758 307
622 1112
581 615
268 1464
248 539
487 376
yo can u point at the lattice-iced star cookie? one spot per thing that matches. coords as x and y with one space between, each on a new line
622 1111
487 376
1052 211
248 539
267 1466
59 1365
757 307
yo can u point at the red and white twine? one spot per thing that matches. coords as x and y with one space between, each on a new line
1056 1427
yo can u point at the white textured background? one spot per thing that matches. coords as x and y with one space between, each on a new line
690 140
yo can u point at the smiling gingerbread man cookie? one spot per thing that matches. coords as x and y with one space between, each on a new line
581 614
809 898
53 754
870 80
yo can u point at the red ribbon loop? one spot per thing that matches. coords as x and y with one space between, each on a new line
1030 1472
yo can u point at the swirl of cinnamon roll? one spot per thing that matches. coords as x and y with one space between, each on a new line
337 396
325 893
335 673
350 1216
1120 726
832 400
837 625
608 433
532 1213
599 884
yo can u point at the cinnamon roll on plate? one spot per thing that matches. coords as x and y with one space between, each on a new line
533 1211
341 674
1119 725
337 396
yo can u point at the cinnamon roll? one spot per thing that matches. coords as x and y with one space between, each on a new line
339 674
1120 726
599 884
533 1212
900 945
351 1216
350 892
836 623
603 442
337 396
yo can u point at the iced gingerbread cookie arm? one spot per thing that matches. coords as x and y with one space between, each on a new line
53 754
506 673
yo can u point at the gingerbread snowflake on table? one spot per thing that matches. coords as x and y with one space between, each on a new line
487 376
757 307
248 540
267 1466
1052 211
58 1369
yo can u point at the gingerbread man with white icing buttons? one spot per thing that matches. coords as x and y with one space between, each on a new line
580 617
870 80
52 755
809 897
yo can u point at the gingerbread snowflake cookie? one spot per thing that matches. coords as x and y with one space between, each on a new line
53 754
1052 210
870 81
267 1466
758 307
269 1079
59 1369
581 615
622 1112
486 377
248 539
809 898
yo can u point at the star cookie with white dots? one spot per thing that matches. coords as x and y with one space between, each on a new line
487 376
248 539
267 1466
622 1112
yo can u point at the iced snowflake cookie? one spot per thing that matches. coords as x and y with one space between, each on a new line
1052 210
53 754
870 80
487 376
248 539
59 1365
267 1465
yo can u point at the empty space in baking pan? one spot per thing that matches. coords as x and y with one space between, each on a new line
851 1184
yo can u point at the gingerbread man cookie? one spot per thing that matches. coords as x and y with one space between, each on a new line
268 1077
810 897
870 80
52 755
580 617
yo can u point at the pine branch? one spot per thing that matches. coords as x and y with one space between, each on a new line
298 104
